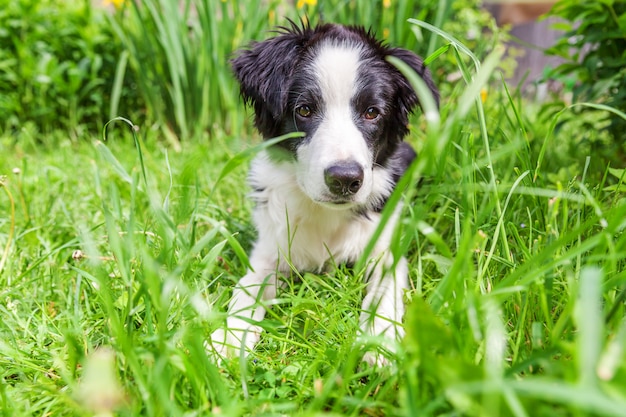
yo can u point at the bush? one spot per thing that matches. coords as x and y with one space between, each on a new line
594 46
57 65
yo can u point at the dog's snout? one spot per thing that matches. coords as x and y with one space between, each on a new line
344 179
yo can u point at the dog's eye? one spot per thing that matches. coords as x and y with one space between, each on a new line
304 111
371 113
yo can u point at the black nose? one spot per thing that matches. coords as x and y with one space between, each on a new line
344 179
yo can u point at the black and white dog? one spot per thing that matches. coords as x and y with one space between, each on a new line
319 197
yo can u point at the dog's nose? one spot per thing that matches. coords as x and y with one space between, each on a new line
344 178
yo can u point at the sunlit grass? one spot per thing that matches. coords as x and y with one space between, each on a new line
119 255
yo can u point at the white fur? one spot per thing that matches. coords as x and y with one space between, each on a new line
296 226
337 138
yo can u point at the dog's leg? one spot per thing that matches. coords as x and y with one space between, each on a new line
383 306
245 310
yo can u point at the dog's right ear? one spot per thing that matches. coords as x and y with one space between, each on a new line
264 71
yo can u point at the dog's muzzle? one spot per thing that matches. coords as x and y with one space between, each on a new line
344 179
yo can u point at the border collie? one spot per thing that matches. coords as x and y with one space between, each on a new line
319 197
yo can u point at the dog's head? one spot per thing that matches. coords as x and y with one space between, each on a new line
333 83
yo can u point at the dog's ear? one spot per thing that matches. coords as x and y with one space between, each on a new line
264 71
407 97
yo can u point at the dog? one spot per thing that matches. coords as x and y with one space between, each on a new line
319 197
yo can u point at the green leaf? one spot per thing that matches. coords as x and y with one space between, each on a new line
247 154
108 156
618 173
590 323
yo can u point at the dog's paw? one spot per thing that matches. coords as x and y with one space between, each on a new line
376 359
239 338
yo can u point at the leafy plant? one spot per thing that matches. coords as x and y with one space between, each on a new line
57 64
388 19
179 51
594 45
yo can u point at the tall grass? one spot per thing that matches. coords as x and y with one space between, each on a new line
178 52
530 283
119 259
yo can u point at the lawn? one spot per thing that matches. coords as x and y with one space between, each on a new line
119 248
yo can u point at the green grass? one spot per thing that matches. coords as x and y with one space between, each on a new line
116 263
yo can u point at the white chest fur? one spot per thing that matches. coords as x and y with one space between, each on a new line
305 234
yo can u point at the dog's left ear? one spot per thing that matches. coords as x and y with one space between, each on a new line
406 95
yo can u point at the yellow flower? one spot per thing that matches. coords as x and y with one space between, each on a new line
302 3
385 33
483 94
386 4
271 16
115 3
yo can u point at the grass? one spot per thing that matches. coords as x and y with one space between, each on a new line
118 259
180 71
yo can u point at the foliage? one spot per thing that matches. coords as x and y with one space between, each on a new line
594 45
172 57
57 64
165 63
387 18
179 54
